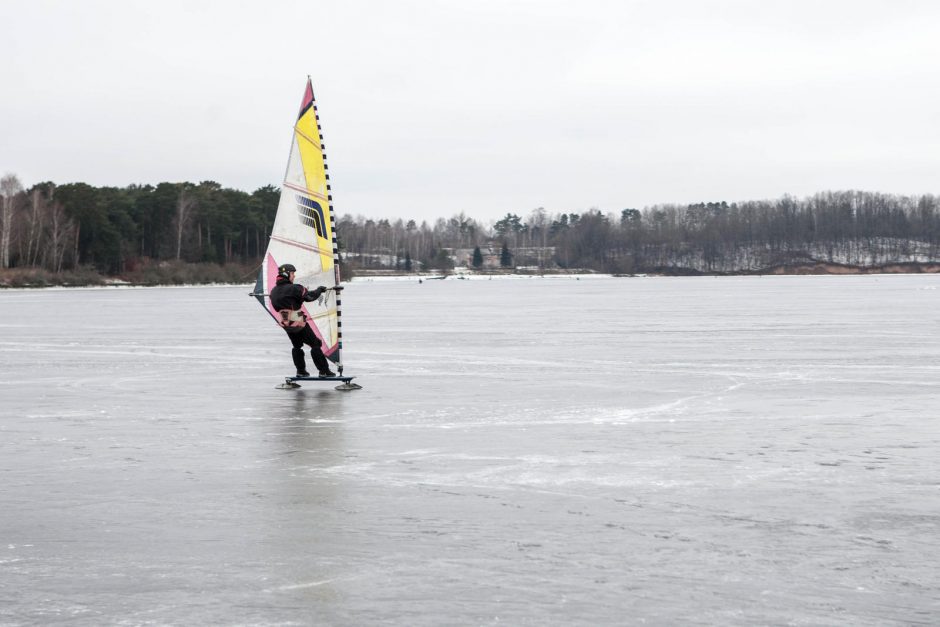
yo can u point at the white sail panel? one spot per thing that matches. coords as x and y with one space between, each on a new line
295 168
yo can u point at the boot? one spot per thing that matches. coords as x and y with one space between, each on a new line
319 360
298 356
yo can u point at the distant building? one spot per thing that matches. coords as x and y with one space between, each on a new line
464 257
535 256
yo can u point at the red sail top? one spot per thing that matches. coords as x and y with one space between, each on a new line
307 101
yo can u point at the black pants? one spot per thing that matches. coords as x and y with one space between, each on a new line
308 337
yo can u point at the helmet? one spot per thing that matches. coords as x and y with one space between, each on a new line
285 270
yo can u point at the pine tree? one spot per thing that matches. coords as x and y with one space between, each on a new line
505 257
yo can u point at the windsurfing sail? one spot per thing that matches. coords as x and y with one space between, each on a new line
304 231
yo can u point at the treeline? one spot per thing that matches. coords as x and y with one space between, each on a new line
851 228
115 231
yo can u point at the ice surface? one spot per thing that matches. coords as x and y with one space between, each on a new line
749 450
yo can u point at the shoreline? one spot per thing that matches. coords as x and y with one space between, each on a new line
819 270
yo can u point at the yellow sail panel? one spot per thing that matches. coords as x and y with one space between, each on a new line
307 137
311 155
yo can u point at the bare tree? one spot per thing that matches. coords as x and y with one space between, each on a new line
39 201
538 225
10 188
60 234
184 206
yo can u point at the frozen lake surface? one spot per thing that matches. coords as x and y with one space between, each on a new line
744 451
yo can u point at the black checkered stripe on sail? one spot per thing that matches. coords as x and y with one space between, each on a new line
332 214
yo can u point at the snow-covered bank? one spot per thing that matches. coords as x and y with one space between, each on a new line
468 276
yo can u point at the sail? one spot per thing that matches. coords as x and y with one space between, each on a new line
304 231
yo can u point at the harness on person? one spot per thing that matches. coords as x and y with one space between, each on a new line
292 320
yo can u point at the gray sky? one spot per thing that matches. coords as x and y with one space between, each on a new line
486 107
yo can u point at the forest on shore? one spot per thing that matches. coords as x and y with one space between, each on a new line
79 234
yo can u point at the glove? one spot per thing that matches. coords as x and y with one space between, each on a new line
315 294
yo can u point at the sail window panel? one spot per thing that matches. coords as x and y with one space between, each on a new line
285 224
326 327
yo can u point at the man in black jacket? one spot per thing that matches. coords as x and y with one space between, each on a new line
287 298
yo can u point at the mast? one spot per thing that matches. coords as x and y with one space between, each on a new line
332 220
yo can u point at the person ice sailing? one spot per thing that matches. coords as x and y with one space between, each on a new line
287 298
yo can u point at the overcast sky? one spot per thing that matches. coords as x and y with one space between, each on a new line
430 108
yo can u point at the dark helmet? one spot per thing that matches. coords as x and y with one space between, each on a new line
285 270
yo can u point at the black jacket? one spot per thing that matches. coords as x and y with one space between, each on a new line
287 295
